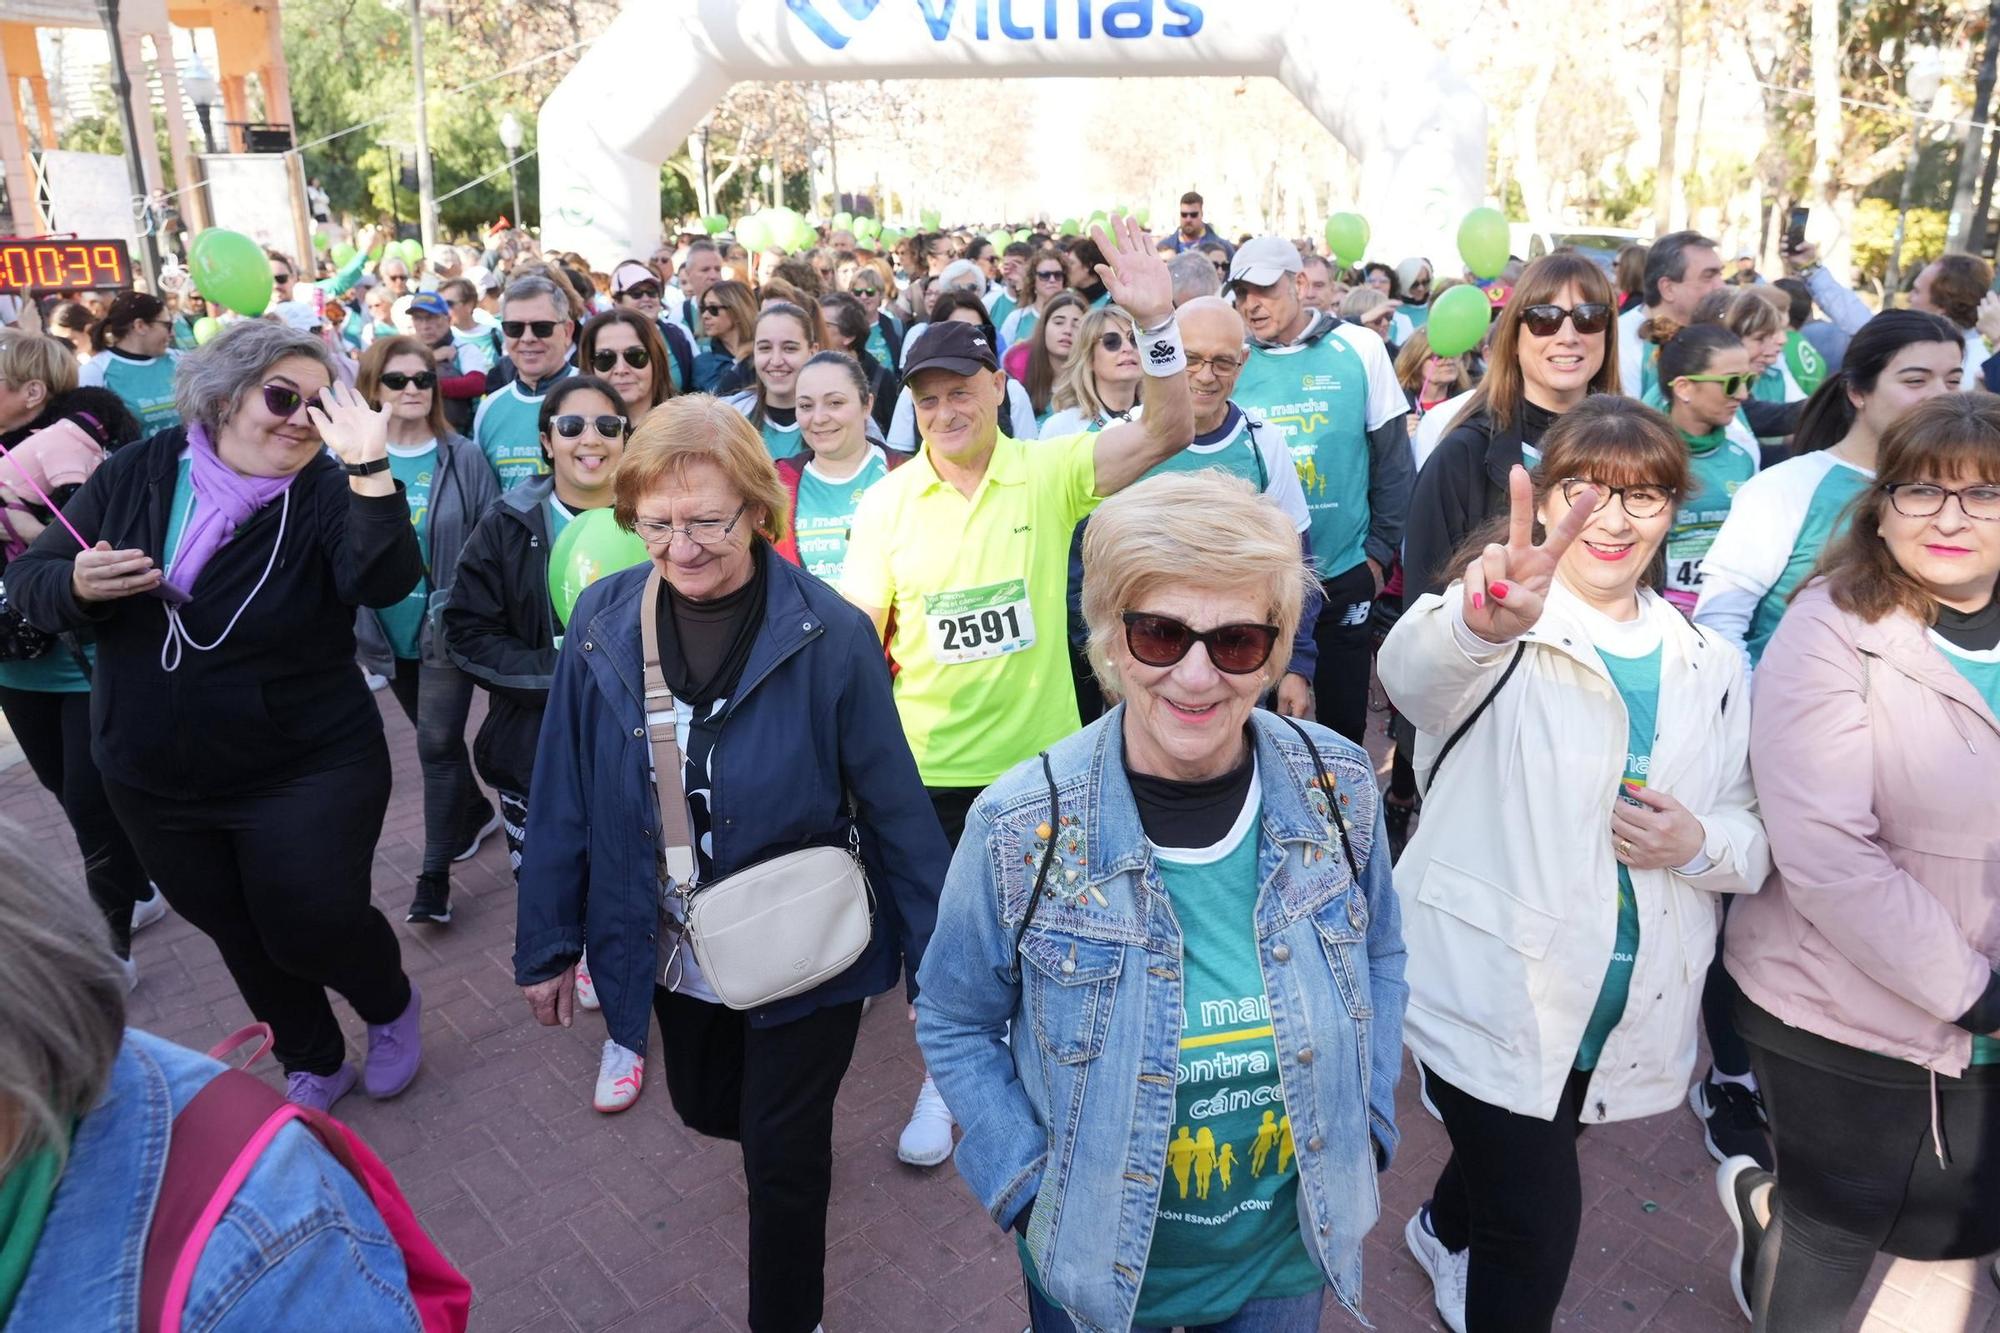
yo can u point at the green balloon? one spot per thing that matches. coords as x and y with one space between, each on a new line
413 251
592 546
1347 237
1482 242
319 241
714 223
999 240
843 222
752 232
804 235
1458 320
1145 216
1023 234
931 219
1070 227
206 328
865 228
341 252
230 269
889 236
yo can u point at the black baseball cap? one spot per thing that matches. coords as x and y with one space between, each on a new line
953 345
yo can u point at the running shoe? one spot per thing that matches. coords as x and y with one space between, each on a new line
1740 1182
319 1091
926 1140
621 1077
1445 1268
1732 1121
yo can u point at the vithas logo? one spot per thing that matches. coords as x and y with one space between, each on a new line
1121 20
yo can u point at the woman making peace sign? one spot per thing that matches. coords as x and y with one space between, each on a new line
1586 753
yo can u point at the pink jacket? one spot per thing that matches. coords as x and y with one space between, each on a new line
60 454
1878 771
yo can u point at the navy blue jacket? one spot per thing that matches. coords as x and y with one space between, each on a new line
812 718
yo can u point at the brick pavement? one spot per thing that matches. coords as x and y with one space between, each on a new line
568 1220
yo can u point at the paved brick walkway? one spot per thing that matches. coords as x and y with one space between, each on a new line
565 1219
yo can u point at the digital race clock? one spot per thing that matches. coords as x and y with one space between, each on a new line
35 267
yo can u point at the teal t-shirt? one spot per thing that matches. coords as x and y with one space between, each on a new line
179 510
1003 305
780 441
144 384
1317 394
1982 669
505 431
1822 521
403 623
1638 682
1719 465
825 515
55 672
1228 1226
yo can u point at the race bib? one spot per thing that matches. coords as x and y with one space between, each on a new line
1685 552
973 624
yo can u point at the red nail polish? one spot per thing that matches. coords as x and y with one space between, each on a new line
1499 591
1479 601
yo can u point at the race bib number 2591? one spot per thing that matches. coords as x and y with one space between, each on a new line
973 624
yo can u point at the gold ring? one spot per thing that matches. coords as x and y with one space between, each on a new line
1624 847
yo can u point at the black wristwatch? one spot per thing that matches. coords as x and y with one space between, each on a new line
367 469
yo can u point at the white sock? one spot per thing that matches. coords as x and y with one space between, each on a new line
1717 1076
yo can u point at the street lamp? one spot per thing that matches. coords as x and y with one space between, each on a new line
1925 77
510 139
202 91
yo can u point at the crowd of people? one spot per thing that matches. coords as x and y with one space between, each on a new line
1034 597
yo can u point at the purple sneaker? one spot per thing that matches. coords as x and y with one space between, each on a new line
319 1091
395 1049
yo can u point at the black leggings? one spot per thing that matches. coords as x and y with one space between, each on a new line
1858 1174
770 1089
279 879
436 699
54 733
1346 644
1511 1193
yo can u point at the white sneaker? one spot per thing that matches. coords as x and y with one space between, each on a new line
586 989
1445 1268
148 910
926 1139
621 1077
376 684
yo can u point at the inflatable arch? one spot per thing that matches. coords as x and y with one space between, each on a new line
644 85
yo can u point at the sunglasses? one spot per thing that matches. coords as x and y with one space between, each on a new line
1111 340
1162 641
396 381
707 309
1586 316
1731 384
541 328
570 426
1048 275
864 292
282 400
645 291
604 359
281 279
1190 216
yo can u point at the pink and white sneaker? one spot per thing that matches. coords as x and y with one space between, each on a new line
621 1076
586 989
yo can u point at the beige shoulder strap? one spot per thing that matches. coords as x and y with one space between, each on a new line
676 844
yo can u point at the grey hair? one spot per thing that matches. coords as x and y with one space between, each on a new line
1192 275
212 378
62 1002
530 285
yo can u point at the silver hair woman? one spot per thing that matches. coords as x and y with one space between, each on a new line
86 1115
1055 992
238 746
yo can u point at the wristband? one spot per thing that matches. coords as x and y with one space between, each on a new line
367 469
1160 353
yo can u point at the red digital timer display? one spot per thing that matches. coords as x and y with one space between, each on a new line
62 266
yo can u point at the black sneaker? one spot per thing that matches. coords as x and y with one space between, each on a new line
1738 1181
432 903
489 824
1732 1122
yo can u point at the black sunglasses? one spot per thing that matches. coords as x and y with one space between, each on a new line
570 426
1587 316
707 309
514 328
396 381
864 291
644 291
1111 340
1049 275
1162 641
1190 216
604 359
281 400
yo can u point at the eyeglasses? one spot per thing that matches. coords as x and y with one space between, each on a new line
1587 316
282 400
1732 385
395 277
1639 501
702 532
1379 320
708 309
1223 366
607 427
541 328
1048 275
645 291
395 381
604 359
1162 641
861 293
1920 499
1111 340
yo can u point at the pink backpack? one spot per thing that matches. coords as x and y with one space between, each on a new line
216 1141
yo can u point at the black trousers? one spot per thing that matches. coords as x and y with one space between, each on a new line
436 699
1510 1192
770 1089
54 734
952 805
1346 643
1858 1174
1719 997
279 879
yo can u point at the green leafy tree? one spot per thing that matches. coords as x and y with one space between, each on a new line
1875 235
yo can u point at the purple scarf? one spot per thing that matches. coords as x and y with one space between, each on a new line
224 502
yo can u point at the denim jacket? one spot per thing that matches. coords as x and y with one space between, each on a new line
1062 1074
300 1244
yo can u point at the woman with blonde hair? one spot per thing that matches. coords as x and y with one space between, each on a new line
875 287
1102 384
1372 310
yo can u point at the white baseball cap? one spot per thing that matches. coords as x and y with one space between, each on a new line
1262 260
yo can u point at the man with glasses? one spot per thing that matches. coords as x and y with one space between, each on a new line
1332 390
636 286
536 333
395 276
1194 233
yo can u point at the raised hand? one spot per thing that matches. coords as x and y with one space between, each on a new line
356 432
1506 587
1135 276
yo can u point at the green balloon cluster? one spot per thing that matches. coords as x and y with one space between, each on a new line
1482 242
866 228
843 222
592 546
1347 238
230 269
205 329
1458 320
889 236
714 223
341 253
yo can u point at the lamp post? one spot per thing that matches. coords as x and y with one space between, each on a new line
510 139
1921 84
202 91
121 87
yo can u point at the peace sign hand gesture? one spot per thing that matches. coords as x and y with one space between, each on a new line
1133 274
1506 587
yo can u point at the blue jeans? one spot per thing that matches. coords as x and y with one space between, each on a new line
1280 1314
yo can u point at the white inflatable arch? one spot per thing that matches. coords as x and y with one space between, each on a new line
643 86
